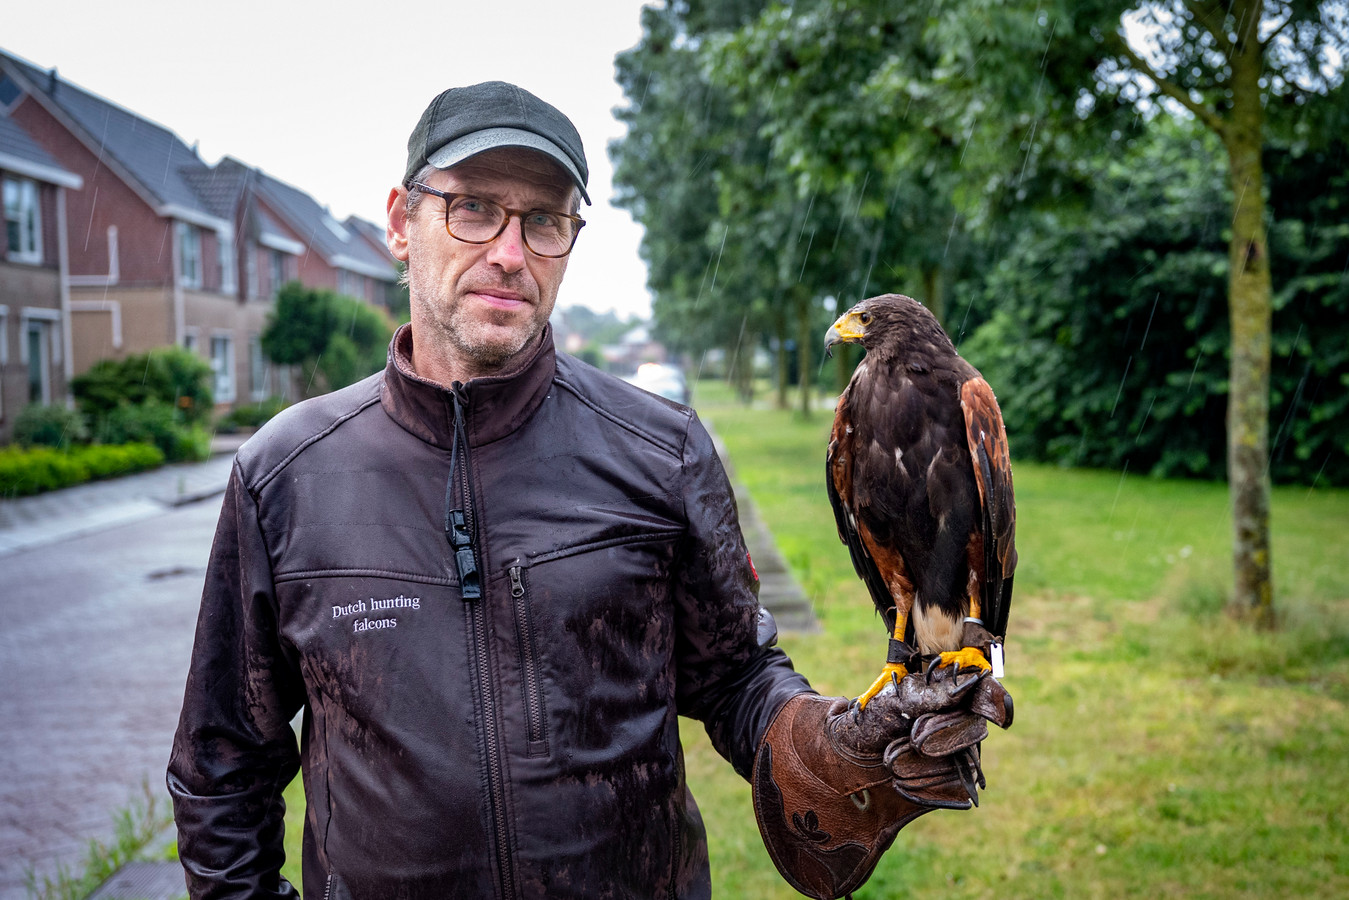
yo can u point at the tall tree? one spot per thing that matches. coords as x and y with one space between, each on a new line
1226 62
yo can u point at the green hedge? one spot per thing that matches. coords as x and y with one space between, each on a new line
25 471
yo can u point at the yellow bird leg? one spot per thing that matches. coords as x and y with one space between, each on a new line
892 672
966 657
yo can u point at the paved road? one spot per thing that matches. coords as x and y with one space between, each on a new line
95 634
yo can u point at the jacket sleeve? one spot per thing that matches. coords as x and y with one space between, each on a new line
235 751
731 674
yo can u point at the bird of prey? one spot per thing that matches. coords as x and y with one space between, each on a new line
921 485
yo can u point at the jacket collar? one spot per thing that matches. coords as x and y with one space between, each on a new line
494 406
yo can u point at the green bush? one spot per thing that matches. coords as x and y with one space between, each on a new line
111 460
155 422
32 470
250 415
174 376
337 338
49 426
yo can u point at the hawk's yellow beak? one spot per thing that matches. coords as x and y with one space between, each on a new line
848 329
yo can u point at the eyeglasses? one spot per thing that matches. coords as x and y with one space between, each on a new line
475 220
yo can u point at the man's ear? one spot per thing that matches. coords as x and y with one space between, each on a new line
396 232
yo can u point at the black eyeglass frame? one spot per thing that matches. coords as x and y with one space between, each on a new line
450 196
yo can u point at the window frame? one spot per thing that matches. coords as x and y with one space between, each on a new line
223 386
188 244
25 217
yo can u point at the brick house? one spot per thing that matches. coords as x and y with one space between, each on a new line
164 249
35 358
395 297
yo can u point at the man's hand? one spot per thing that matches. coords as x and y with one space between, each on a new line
927 727
833 785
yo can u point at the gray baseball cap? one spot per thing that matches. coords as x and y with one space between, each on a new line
463 122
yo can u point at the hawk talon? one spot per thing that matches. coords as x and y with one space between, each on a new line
966 777
932 667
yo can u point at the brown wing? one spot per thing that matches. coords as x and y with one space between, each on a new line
839 482
993 471
879 567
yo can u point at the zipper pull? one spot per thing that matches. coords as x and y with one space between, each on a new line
470 586
457 528
517 583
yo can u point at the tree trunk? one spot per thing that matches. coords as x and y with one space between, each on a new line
780 359
1249 303
932 295
804 341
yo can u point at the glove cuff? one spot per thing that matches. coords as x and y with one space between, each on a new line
826 812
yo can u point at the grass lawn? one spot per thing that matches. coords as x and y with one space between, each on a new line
1159 749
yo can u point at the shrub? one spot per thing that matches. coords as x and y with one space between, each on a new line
25 471
110 460
173 376
250 415
49 426
338 338
155 422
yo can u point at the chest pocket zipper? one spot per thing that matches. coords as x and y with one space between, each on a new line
531 680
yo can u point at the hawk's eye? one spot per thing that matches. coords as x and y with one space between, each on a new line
865 318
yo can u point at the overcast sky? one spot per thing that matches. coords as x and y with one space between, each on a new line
323 95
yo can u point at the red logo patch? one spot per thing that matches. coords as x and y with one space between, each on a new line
749 560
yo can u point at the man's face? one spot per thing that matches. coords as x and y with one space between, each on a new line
478 307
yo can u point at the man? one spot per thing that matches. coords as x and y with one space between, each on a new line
491 577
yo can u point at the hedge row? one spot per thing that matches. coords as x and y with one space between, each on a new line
25 471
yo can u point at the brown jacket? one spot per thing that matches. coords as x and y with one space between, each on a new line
518 743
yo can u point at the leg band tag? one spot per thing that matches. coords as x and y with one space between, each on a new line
996 650
899 652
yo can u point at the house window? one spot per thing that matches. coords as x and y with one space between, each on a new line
229 282
189 255
39 362
23 220
257 369
278 271
4 351
222 363
351 284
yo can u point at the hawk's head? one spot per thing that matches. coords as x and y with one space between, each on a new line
887 323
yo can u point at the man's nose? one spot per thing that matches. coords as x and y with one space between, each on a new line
508 250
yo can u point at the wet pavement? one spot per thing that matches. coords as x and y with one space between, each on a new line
99 589
94 649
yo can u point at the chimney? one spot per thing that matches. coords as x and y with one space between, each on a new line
52 81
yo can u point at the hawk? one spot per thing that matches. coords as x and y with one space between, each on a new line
921 485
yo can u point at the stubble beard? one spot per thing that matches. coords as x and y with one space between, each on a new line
479 346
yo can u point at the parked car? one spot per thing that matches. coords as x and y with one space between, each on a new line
662 380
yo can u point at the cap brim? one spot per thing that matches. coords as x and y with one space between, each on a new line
471 145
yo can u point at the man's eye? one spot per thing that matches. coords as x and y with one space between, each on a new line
469 206
540 219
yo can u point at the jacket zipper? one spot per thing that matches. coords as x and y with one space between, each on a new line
459 521
535 714
460 529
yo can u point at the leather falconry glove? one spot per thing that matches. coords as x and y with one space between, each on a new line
833 786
